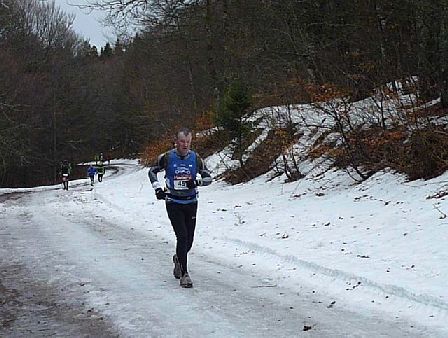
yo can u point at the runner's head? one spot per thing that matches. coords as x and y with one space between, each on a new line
183 141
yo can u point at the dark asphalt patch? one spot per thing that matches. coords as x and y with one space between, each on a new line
34 308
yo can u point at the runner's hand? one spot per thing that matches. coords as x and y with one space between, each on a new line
192 184
160 194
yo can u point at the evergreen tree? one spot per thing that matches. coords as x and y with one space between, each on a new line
232 115
107 51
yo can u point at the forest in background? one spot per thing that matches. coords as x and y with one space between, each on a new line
61 98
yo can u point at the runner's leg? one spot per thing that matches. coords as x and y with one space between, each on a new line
190 222
176 214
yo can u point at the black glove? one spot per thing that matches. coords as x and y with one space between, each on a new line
160 194
191 184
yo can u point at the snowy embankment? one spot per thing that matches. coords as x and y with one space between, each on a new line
376 245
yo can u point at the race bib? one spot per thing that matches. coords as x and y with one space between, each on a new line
182 175
180 184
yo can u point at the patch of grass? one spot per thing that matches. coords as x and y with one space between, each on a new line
420 154
211 143
261 159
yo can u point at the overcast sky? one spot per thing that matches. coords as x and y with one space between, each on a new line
87 24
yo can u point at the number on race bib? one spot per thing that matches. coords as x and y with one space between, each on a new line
180 185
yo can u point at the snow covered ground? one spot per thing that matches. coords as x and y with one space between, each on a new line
269 259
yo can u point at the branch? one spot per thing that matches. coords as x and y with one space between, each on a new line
443 215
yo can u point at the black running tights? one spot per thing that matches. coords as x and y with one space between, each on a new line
183 220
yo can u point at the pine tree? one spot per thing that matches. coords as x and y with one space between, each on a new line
232 115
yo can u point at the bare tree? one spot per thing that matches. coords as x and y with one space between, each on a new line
48 23
122 14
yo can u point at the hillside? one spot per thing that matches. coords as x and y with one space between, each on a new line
396 132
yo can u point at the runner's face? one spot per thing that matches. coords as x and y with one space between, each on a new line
183 143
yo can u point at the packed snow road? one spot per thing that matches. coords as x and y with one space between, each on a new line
72 264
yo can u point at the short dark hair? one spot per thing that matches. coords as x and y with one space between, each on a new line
184 131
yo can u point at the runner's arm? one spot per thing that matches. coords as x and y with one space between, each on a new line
206 177
155 169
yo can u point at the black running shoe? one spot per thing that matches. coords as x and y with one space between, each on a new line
176 271
185 281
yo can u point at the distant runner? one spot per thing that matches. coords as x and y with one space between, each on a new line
65 169
101 170
91 171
